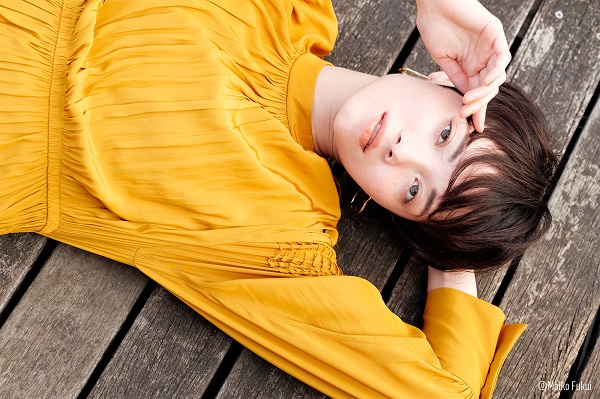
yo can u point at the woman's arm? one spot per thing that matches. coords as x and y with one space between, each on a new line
335 332
463 281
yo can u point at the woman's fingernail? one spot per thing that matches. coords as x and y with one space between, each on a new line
488 81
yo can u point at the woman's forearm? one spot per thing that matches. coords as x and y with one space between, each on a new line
463 281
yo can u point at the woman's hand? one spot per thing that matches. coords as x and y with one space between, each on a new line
469 44
463 281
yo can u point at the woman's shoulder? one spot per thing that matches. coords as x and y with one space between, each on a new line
270 27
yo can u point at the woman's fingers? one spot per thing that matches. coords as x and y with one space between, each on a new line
440 76
456 74
479 119
477 109
481 92
498 72
500 57
470 109
497 68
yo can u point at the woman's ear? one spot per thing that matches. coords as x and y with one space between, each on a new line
440 78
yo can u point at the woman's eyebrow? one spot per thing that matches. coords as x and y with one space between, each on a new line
432 196
465 141
461 147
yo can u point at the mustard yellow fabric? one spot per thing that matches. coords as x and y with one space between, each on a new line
174 136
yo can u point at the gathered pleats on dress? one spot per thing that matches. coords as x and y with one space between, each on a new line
35 40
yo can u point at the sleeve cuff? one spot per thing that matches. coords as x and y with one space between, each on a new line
468 336
509 334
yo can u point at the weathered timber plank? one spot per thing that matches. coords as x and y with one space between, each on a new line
589 386
558 63
512 13
18 252
371 33
556 288
63 324
255 378
164 357
408 297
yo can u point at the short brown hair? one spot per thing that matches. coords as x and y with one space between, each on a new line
485 220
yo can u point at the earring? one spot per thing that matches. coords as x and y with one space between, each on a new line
354 204
409 72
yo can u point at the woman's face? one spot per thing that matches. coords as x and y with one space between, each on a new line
400 138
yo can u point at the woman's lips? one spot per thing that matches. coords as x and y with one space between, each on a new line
373 133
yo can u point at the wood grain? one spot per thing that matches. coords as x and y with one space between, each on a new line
371 33
589 387
18 252
556 288
558 63
255 378
169 352
408 297
63 324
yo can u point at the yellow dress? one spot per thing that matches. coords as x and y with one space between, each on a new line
174 136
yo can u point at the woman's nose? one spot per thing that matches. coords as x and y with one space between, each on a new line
404 152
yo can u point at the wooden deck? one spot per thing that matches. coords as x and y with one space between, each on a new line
73 324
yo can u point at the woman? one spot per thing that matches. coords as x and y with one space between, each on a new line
181 138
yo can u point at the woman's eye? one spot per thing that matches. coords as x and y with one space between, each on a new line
412 191
445 134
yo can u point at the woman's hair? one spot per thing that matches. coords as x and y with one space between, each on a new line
489 218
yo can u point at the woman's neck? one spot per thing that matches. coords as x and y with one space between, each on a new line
334 86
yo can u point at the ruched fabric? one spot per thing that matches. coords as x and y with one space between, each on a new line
35 41
175 136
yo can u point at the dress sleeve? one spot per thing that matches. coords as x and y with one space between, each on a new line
336 334
468 337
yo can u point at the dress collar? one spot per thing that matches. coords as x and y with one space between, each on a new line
300 95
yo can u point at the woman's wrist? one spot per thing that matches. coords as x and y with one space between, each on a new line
463 281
